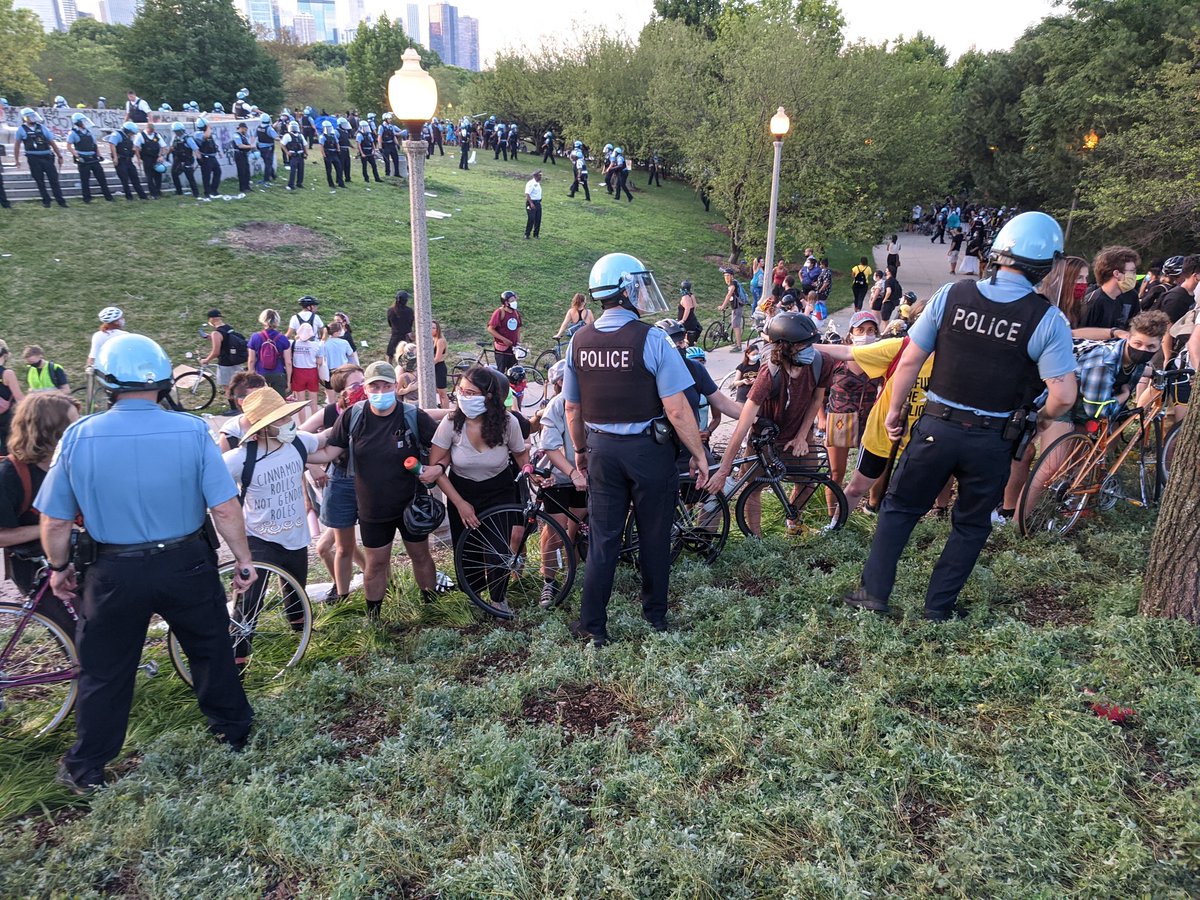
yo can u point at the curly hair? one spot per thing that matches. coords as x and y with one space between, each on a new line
38 423
495 417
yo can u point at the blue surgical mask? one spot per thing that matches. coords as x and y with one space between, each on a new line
805 356
382 402
472 407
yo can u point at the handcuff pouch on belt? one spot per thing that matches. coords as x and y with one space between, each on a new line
1021 428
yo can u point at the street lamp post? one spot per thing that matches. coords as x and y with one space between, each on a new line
412 93
780 125
1090 140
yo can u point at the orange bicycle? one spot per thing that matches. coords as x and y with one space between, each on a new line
1113 460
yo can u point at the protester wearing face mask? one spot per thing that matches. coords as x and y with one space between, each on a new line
747 369
44 375
1116 274
851 396
240 387
505 328
268 468
477 443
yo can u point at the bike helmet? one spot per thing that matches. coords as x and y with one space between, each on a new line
178 127
111 314
1173 267
792 327
910 296
672 327
1029 243
133 362
696 352
508 295
516 375
308 300
685 287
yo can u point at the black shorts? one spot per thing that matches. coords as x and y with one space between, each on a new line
562 497
380 534
869 464
439 376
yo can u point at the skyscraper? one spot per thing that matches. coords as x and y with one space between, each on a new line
304 26
324 14
443 32
413 25
468 43
258 14
68 11
122 12
46 10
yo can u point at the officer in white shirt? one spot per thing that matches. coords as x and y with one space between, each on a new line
533 205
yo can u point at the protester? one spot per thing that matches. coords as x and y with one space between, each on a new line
44 375
307 356
232 429
270 353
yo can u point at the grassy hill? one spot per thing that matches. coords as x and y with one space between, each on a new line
166 262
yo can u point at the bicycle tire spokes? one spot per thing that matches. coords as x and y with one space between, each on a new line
37 674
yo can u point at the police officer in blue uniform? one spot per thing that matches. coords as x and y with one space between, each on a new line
210 166
620 170
996 341
548 148
242 148
295 149
579 164
513 140
143 477
626 407
150 147
182 153
123 151
40 150
388 146
82 145
366 151
308 127
331 153
500 141
345 142
436 133
464 142
265 138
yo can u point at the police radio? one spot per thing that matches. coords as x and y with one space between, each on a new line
1021 427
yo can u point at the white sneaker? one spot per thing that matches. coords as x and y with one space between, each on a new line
999 521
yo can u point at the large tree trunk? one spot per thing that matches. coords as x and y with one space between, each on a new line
1171 586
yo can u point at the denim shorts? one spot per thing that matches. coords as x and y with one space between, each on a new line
339 509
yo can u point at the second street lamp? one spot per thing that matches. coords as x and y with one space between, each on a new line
780 125
412 93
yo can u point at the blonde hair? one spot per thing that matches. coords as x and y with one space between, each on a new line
268 318
40 420
3 347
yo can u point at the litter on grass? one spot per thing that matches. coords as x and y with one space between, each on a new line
435 214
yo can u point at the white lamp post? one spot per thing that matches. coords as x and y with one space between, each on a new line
412 93
780 125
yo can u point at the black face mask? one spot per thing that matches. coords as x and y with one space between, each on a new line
1139 357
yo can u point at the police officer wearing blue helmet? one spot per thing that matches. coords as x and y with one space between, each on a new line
996 341
265 138
143 479
331 153
123 151
182 153
82 144
628 411
210 166
40 150
243 146
548 147
345 136
513 140
579 164
149 145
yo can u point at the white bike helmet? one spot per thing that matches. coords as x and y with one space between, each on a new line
111 314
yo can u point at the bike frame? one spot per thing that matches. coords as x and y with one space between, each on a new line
28 608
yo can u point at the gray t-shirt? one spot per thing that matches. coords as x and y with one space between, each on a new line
274 508
470 463
556 435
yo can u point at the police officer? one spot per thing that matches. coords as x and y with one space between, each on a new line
533 205
464 143
123 150
489 127
142 477
996 341
241 106
308 127
182 154
331 153
388 146
137 110
624 381
513 140
102 103
345 136
60 102
620 174
265 138
500 141
436 132
548 148
366 151
579 163
38 143
150 147
210 166
242 148
82 145
608 171
294 151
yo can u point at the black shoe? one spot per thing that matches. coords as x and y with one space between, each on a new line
374 608
80 787
580 633
860 599
87 199
945 615
237 745
660 626
46 203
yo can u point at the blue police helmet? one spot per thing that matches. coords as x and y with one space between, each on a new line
619 275
1030 243
130 126
201 123
371 116
619 150
133 362
343 122
177 127
28 114
265 119
327 127
60 99
160 167
294 127
243 94
165 107
608 146
76 118
218 107
578 144
308 110
364 126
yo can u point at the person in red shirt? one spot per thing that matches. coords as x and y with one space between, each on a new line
505 328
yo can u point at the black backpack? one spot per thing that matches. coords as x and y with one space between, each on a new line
235 347
860 278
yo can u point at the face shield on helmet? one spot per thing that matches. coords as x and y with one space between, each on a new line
28 115
620 273
177 127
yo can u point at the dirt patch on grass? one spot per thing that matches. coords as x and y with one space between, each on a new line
583 709
479 669
719 228
285 888
46 830
268 237
1047 607
920 817
122 884
362 731
1147 757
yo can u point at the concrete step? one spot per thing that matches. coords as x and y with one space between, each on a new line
20 185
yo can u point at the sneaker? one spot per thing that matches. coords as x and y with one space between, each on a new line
579 632
860 599
998 521
331 595
80 787
736 348
503 607
549 592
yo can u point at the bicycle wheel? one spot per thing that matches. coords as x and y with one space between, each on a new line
1168 453
501 566
701 525
545 360
37 675
1060 487
714 336
535 389
194 391
270 625
726 385
789 507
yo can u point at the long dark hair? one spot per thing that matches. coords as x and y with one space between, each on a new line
495 416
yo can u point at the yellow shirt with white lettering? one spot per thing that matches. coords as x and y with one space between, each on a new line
875 359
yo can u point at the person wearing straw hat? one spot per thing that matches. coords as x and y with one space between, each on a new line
268 468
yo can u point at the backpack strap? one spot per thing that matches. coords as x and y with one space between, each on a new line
252 460
22 470
355 413
896 361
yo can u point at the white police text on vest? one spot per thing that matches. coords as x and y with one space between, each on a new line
986 325
605 359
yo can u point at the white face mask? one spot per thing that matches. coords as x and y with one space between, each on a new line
287 433
863 338
472 407
512 305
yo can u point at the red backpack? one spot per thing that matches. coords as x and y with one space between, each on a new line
268 353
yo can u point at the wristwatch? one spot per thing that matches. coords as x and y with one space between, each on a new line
54 568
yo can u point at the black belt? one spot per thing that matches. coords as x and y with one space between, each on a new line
149 548
622 437
962 416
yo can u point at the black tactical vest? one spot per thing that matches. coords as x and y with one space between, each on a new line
85 144
35 139
151 147
181 152
125 148
264 137
614 384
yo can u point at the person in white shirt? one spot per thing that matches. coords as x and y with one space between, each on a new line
337 353
533 205
112 324
307 354
308 313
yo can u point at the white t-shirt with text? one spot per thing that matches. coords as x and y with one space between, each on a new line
274 508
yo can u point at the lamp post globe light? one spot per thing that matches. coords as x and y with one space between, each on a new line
780 126
412 94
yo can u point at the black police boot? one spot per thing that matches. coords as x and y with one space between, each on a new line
860 599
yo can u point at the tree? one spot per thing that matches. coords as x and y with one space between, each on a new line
201 49
1171 587
328 56
21 43
702 14
374 55
84 63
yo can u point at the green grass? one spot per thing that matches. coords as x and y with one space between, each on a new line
775 745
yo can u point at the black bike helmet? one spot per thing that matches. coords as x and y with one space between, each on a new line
508 295
516 375
1173 266
673 328
794 328
685 287
910 296
308 300
423 515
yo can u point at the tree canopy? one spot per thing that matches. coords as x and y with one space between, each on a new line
20 43
375 53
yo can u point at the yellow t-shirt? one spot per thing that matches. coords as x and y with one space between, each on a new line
866 270
874 360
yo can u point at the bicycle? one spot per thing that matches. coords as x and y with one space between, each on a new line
700 525
765 507
196 389
535 390
1082 471
1168 451
717 333
547 358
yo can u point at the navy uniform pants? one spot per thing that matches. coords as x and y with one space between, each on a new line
344 157
268 158
241 161
463 154
979 459
210 175
128 176
622 180
45 173
391 160
153 178
120 594
533 218
177 169
90 168
296 170
624 470
581 181
369 161
333 166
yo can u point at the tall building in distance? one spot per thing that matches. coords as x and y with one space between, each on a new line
46 10
443 32
324 15
468 43
259 15
412 24
68 11
304 27
122 12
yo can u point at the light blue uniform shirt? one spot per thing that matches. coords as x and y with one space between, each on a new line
138 473
24 130
1049 345
661 358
